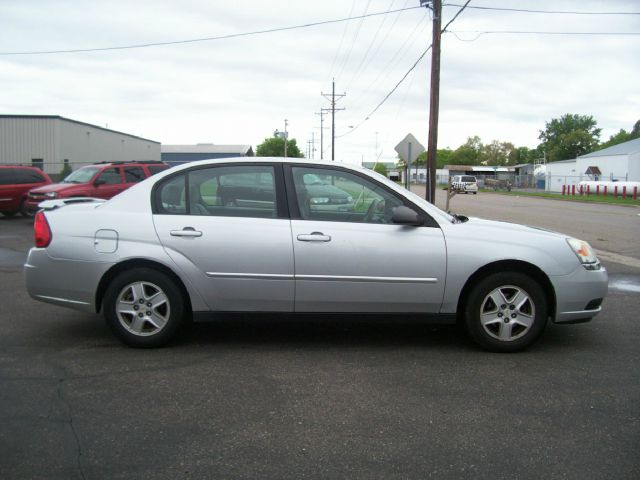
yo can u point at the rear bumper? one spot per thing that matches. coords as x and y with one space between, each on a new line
576 291
67 283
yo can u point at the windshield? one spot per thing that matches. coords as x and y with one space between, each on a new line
82 175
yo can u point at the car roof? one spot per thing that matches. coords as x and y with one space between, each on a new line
20 166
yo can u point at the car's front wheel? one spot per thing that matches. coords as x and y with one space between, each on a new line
506 312
144 307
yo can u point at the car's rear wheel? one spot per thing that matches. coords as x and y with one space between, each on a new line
506 312
9 214
144 307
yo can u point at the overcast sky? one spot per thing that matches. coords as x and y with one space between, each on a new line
239 90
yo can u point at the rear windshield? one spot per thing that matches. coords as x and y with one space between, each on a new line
468 179
82 175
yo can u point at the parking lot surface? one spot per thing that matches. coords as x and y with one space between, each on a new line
325 398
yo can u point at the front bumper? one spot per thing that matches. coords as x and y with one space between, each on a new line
68 283
574 293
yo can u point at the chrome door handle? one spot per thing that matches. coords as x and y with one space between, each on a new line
186 232
314 237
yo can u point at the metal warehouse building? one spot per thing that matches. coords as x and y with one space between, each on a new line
617 163
50 141
176 154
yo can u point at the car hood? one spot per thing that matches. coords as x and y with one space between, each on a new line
57 187
513 227
326 190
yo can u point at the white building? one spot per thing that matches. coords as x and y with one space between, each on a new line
619 162
50 141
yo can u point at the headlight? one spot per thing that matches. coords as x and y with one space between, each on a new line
585 253
319 200
51 195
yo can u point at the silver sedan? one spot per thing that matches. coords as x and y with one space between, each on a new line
246 235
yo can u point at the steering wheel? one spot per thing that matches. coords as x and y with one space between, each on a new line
371 210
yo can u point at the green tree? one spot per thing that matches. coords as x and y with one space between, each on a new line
622 136
569 136
274 147
497 153
66 170
442 158
468 153
380 168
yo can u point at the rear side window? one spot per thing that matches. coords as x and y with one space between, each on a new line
133 174
24 176
236 191
6 176
171 196
224 191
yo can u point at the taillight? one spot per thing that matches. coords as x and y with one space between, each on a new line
41 231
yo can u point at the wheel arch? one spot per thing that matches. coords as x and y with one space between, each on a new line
504 266
138 263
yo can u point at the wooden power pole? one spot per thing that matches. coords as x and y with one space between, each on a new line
432 145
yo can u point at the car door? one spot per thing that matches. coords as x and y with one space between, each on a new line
355 259
227 227
108 183
9 190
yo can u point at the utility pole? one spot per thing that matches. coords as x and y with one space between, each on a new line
432 145
332 99
322 113
285 137
313 145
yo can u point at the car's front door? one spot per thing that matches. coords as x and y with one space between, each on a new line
109 183
227 228
355 259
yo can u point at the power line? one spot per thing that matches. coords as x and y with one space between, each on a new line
207 39
526 10
353 42
479 33
344 33
402 79
388 94
371 44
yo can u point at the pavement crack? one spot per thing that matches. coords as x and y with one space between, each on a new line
72 426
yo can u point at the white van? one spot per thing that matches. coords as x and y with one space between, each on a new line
464 184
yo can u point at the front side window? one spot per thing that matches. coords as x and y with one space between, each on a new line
110 176
338 196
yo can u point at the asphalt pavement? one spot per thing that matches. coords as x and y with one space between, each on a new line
323 398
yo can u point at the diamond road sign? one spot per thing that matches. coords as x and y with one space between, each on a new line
409 148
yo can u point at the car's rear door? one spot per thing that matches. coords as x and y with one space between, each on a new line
358 260
227 227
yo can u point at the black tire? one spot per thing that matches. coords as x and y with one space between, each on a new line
9 214
124 325
26 213
517 336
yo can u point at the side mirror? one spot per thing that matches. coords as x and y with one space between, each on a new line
99 182
405 216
